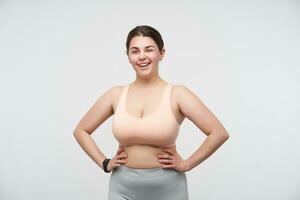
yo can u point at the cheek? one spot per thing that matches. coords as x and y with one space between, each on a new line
154 57
132 59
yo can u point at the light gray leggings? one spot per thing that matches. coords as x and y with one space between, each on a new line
147 184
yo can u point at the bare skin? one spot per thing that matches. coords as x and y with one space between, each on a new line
142 100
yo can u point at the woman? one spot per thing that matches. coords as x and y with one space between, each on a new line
147 115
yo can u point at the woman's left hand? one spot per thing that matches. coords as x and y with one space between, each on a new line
171 159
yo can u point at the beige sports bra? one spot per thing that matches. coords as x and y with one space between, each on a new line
158 129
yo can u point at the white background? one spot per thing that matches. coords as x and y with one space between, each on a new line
241 58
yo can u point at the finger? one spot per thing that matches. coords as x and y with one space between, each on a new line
170 151
117 159
120 151
164 156
121 156
168 166
121 161
166 161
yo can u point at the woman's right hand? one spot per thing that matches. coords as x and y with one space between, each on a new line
119 159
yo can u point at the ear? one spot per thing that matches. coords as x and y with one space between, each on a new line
162 53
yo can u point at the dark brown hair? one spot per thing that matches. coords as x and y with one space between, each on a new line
146 31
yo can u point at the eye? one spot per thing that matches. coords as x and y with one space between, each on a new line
149 50
133 52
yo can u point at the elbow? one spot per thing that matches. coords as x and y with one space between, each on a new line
222 134
225 135
76 132
79 131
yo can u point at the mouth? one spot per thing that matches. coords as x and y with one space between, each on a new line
144 64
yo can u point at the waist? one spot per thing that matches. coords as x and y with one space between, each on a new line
143 156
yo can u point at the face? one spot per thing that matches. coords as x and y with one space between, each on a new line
144 55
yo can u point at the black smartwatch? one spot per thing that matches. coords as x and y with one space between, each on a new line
104 164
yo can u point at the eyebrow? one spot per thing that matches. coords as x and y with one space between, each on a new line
145 47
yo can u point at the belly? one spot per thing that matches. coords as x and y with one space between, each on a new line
143 156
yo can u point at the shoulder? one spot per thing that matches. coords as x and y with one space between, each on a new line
114 92
181 91
184 96
116 89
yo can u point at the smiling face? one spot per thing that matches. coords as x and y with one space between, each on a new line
144 55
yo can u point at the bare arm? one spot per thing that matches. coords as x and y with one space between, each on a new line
194 109
96 115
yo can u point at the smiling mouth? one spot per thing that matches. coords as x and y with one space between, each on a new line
144 65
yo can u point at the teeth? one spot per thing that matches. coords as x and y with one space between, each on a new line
144 65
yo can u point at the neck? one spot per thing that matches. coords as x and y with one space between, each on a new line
141 82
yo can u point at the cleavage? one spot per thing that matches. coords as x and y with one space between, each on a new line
153 104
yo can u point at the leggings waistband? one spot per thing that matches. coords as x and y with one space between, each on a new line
149 172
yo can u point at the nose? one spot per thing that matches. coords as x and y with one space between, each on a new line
142 56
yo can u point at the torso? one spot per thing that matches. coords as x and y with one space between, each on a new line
140 104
